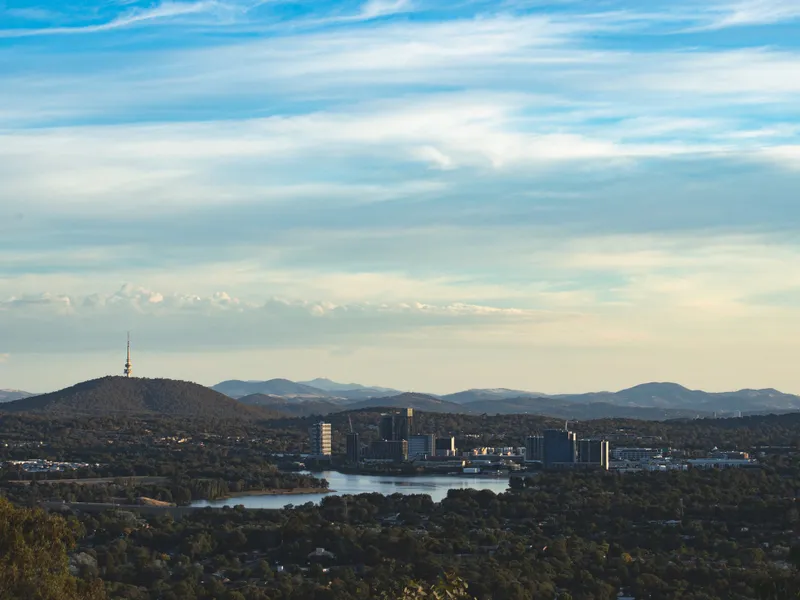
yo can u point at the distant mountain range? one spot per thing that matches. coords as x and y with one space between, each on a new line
9 395
302 390
331 386
469 396
285 398
646 401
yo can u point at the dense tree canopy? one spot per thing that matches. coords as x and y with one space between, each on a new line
696 535
33 557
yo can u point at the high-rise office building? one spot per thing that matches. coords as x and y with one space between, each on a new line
397 426
446 446
386 427
420 446
560 447
319 436
534 449
593 452
353 448
405 424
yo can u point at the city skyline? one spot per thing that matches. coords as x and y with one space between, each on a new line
549 196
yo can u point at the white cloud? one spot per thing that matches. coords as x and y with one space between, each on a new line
189 322
760 74
159 167
162 11
788 155
373 9
420 218
143 301
755 12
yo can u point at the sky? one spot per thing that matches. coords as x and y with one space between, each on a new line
433 195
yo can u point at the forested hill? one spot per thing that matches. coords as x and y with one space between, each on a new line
120 395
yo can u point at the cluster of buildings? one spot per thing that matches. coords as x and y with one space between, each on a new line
664 459
561 449
397 441
37 465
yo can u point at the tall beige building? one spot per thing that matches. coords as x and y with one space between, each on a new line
319 436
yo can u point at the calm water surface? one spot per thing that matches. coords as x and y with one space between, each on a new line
435 486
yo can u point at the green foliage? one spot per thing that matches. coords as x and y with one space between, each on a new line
697 535
449 587
33 557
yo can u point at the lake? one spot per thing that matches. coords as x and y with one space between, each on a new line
435 486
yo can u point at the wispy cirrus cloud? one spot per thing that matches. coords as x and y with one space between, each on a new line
446 179
373 9
160 12
742 13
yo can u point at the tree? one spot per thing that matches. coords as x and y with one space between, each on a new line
33 557
449 587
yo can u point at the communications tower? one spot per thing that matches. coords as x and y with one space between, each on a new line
128 372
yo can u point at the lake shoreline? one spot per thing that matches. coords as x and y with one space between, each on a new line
277 492
437 487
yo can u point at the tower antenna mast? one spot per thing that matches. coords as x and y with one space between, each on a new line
128 372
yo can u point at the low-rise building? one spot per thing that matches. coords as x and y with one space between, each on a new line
636 454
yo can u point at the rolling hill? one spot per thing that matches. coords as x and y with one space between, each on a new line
10 395
121 395
274 387
332 386
646 401
468 396
674 396
289 389
561 409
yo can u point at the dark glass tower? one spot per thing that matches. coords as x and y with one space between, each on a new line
353 448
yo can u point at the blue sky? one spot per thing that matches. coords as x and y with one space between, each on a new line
559 196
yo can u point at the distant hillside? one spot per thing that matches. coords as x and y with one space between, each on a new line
422 402
10 395
290 389
116 395
488 394
294 408
322 383
646 401
363 393
674 396
274 387
561 409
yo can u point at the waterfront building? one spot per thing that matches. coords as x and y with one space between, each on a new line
421 446
534 448
353 448
560 447
405 424
319 436
397 426
386 427
395 450
446 446
593 452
